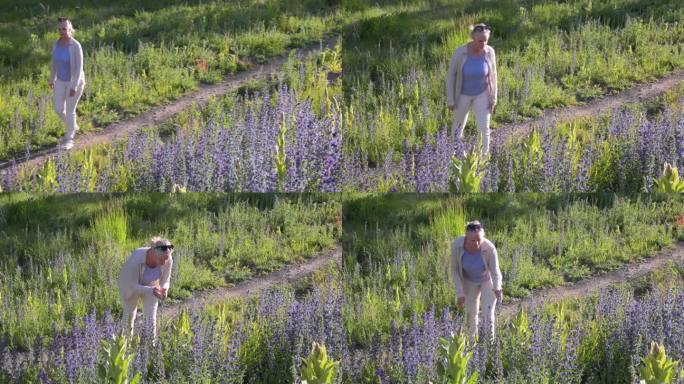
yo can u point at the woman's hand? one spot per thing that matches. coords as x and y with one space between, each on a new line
52 85
159 292
461 302
490 107
72 93
499 294
451 107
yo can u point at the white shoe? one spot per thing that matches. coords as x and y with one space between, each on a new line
66 145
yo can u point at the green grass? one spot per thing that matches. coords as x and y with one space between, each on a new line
61 255
549 55
141 54
396 247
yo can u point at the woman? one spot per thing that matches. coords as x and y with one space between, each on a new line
475 267
145 275
67 79
471 82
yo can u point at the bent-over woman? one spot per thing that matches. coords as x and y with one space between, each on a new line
477 277
146 275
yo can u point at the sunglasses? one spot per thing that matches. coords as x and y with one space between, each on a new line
481 28
164 248
473 227
62 19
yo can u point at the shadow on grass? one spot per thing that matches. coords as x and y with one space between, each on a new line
30 218
371 44
123 26
370 222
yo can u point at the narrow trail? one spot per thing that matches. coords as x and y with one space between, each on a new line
288 274
252 286
585 287
597 107
162 113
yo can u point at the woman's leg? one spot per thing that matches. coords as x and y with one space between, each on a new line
472 304
150 304
59 95
488 306
70 115
461 115
130 310
482 117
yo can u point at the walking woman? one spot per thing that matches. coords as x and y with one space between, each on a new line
146 275
67 79
472 83
475 267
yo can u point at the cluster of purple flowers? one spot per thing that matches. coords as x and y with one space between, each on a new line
615 334
406 355
277 334
272 338
625 155
234 151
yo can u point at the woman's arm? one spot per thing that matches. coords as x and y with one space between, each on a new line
166 274
53 68
454 270
129 283
494 270
495 79
451 80
76 65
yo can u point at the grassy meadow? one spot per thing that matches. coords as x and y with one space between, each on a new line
549 55
380 317
397 246
61 254
139 54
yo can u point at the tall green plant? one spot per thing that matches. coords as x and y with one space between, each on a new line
669 182
452 363
115 362
657 368
281 156
318 368
467 172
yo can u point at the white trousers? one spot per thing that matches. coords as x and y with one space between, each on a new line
65 106
480 105
473 293
130 310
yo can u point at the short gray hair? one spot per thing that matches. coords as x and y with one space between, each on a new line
474 226
65 20
158 240
480 29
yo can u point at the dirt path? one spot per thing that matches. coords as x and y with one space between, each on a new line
159 114
252 286
638 93
588 286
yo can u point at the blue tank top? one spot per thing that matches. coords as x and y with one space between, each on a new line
475 71
150 275
474 269
61 57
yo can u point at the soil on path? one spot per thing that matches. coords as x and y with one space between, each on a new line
252 286
638 93
156 115
585 287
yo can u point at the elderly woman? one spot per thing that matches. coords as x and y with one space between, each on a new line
475 267
145 275
67 79
471 83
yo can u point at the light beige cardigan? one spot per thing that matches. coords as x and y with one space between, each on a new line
76 64
131 275
491 259
454 78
